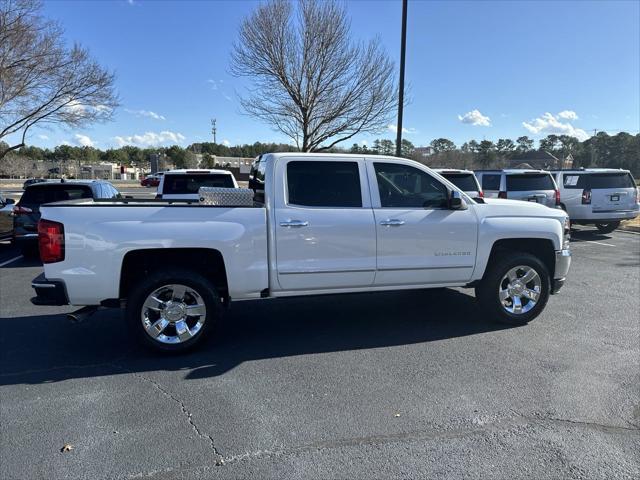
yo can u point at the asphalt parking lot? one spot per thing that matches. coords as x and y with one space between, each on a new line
407 384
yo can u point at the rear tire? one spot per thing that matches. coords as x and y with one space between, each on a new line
173 310
514 275
607 227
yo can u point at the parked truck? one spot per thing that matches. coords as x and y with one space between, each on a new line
320 224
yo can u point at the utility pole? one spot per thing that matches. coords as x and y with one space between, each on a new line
403 47
593 148
213 129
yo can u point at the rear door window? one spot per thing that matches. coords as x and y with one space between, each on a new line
530 181
464 181
491 182
37 195
189 184
324 184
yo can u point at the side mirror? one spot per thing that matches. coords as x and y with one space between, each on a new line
10 201
456 202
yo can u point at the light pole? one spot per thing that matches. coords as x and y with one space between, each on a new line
403 47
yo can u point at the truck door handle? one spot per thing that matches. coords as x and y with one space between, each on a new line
392 222
294 223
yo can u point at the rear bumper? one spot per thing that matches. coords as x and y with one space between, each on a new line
563 262
49 292
585 215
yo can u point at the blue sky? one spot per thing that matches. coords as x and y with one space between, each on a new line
474 69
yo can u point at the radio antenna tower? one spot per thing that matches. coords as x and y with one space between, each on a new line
213 129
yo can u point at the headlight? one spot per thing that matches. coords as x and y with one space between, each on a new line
567 232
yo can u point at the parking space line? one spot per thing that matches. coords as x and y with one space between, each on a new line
600 243
10 261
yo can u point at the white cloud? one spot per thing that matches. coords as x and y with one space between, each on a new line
551 124
213 83
227 97
568 115
364 143
151 139
145 113
394 128
43 137
83 140
474 117
226 143
76 107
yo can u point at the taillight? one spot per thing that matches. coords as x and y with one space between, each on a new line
51 241
21 210
502 194
557 198
481 194
586 197
635 195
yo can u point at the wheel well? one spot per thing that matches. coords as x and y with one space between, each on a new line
539 247
207 262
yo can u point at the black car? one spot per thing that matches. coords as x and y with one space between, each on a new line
26 212
32 181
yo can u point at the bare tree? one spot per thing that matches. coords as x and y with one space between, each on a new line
41 80
310 81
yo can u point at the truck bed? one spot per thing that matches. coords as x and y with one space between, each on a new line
97 243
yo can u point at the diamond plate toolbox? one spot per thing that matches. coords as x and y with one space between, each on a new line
218 196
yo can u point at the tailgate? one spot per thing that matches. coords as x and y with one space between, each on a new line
611 191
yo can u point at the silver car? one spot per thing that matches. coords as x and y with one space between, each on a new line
520 184
465 180
598 196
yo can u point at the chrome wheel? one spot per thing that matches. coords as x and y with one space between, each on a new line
173 314
520 289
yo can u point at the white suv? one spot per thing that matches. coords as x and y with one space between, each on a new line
598 196
520 184
465 180
184 184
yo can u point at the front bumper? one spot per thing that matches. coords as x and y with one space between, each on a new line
49 292
563 262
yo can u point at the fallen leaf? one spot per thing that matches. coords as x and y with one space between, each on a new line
67 447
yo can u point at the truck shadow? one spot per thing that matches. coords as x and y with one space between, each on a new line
43 349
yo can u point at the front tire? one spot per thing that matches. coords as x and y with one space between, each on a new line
515 288
173 310
607 227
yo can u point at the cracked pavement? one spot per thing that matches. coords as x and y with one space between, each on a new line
406 384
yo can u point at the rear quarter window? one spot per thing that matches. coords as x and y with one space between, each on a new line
491 182
530 181
189 184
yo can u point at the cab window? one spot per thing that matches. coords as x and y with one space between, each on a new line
324 184
403 186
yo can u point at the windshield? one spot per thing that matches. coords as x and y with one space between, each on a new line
189 184
530 181
464 181
35 196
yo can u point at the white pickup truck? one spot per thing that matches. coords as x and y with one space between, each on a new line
321 224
